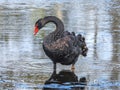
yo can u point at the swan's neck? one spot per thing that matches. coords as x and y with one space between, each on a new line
57 22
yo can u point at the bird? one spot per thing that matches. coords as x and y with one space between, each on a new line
61 46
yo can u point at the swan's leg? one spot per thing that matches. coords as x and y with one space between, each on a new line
73 64
54 67
73 67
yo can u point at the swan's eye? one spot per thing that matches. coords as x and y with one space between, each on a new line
40 25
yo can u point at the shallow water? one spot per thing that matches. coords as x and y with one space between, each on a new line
24 66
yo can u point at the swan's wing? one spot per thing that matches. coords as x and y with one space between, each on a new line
65 50
60 44
68 45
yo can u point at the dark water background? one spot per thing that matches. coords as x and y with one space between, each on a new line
23 64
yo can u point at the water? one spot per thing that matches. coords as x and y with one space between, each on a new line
24 66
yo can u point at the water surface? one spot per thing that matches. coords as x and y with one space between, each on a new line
24 66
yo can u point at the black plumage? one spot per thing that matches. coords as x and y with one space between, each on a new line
61 46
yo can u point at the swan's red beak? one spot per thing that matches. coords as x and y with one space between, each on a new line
36 29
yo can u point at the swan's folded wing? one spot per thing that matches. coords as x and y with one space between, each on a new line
61 44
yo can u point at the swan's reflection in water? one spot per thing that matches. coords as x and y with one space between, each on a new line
65 80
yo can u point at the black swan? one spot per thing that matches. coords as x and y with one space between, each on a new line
61 46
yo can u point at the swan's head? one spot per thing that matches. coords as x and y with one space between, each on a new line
38 25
